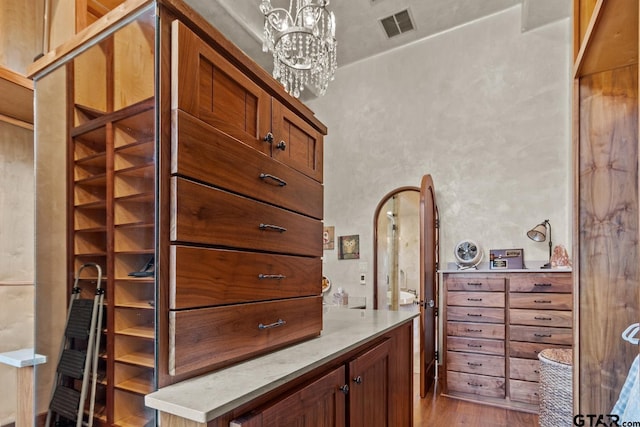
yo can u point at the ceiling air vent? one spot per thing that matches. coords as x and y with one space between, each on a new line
397 23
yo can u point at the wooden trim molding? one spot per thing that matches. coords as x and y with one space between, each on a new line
16 104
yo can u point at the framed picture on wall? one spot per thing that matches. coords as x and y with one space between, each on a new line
328 238
349 247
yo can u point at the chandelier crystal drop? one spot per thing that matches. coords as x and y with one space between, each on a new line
302 39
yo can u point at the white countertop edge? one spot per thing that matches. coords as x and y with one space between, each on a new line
22 358
206 397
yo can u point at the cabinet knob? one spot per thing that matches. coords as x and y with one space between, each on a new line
268 137
358 380
281 145
344 389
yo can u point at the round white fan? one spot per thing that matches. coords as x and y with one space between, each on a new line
468 254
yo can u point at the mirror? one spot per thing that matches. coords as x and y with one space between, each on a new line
397 250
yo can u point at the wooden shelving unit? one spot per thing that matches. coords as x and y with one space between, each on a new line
112 150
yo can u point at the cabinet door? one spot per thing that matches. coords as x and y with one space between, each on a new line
207 86
369 388
320 404
296 143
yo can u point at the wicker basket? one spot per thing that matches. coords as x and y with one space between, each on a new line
556 395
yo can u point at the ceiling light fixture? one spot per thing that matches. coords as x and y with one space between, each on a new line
303 41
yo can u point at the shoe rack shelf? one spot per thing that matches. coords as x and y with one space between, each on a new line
112 210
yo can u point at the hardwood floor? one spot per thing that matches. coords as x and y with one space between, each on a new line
436 410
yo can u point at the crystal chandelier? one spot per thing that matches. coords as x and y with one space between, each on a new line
303 41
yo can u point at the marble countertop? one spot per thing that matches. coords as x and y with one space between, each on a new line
204 398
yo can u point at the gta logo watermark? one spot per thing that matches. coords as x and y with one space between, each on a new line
602 420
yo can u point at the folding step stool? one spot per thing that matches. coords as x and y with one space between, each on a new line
78 357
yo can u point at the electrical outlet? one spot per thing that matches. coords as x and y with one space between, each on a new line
362 281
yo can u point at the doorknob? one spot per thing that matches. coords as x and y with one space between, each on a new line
429 304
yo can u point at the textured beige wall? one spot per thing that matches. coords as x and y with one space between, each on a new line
51 227
20 33
484 109
16 254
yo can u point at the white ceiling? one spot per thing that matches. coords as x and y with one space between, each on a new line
359 32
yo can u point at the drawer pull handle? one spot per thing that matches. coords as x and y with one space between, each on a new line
280 322
542 318
271 276
281 145
541 285
474 299
272 227
474 345
542 301
358 380
344 389
474 384
474 364
542 335
474 330
268 137
474 315
474 284
265 176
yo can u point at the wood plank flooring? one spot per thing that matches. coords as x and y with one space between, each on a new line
438 411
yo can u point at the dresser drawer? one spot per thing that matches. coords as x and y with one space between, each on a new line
530 350
555 318
541 334
541 301
561 283
476 299
476 384
524 369
205 277
524 391
475 363
462 283
218 336
206 215
201 152
475 314
476 330
475 345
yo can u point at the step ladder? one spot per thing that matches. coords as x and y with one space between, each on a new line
78 359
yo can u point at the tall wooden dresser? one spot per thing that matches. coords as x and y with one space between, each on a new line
496 323
195 182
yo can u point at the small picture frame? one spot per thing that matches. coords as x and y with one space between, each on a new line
506 259
349 247
328 238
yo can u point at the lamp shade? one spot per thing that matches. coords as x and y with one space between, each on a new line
538 233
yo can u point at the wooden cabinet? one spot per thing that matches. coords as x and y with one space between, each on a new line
605 135
370 387
496 324
231 102
195 182
321 403
245 202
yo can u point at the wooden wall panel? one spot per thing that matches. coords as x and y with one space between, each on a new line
608 233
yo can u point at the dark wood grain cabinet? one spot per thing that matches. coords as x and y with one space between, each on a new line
496 324
371 387
246 213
